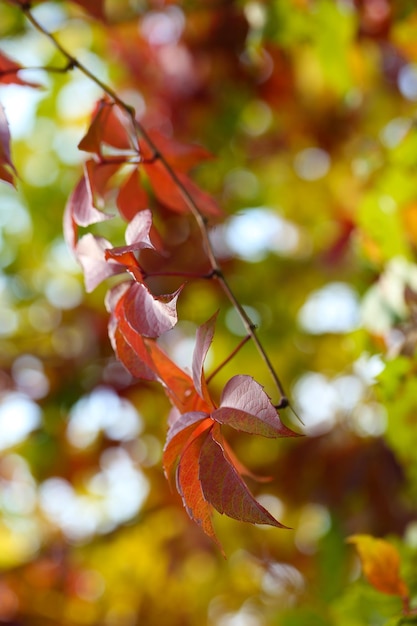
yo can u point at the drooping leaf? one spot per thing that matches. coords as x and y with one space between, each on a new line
182 157
170 195
178 384
99 174
190 488
5 159
148 315
132 197
106 128
90 252
9 72
187 426
253 410
225 490
381 564
204 337
131 350
81 207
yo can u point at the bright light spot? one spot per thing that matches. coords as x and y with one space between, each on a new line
19 416
64 292
256 118
162 28
313 524
370 420
17 486
60 259
40 171
332 309
387 204
14 218
368 368
312 163
255 232
318 403
235 324
77 99
102 410
407 81
384 302
51 16
29 376
350 390
114 496
20 105
255 13
273 504
9 321
246 616
395 131
241 183
283 580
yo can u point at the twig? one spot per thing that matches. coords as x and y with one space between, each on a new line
192 205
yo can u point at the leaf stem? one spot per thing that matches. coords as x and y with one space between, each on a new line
193 207
229 358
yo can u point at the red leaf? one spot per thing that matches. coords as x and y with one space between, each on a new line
182 157
132 197
136 236
90 252
204 337
9 70
254 412
185 429
99 174
169 194
223 488
105 128
189 486
80 205
178 384
148 315
5 158
131 350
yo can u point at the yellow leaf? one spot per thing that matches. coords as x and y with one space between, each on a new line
380 563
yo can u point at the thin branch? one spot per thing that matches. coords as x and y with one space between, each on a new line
229 358
192 205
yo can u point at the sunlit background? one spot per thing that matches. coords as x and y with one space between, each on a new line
309 109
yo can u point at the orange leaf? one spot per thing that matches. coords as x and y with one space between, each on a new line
380 563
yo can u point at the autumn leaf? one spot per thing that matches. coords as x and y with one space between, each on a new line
381 564
182 157
132 197
106 128
9 72
223 487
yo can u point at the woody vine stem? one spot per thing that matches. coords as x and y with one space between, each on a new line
216 271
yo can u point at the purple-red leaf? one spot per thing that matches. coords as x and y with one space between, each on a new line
225 490
81 207
249 399
105 128
148 315
182 157
90 252
204 337
132 197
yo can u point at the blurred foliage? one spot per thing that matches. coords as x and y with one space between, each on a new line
309 109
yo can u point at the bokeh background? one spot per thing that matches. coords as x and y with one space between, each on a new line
308 107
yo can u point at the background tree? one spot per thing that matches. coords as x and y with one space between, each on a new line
308 109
